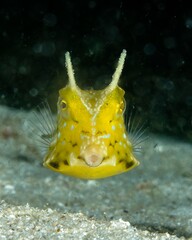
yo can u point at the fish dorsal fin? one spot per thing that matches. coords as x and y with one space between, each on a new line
117 73
70 71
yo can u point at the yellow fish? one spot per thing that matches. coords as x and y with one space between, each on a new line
90 140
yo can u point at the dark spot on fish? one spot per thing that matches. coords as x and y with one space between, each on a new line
75 120
74 144
105 158
66 163
54 165
85 132
118 152
129 164
99 133
121 160
110 144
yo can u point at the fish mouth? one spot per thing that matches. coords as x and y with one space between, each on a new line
93 160
93 155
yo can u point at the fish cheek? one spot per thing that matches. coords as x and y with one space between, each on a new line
57 162
57 156
125 156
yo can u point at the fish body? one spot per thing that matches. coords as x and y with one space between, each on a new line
91 140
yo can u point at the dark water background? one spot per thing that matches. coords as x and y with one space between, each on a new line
157 34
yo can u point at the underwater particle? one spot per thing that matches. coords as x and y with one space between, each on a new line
44 48
4 34
188 23
24 70
181 122
92 4
114 34
188 100
165 84
149 49
37 48
161 6
33 92
169 42
139 29
50 20
94 45
48 48
169 85
176 60
15 90
3 96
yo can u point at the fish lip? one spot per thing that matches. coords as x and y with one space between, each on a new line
93 160
93 155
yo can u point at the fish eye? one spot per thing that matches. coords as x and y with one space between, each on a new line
63 104
122 106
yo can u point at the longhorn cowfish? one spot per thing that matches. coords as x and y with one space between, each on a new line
90 138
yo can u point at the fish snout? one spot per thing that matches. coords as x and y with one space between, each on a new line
93 155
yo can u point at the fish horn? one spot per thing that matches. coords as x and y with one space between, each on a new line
70 71
117 73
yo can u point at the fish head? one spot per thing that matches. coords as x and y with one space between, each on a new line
91 140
